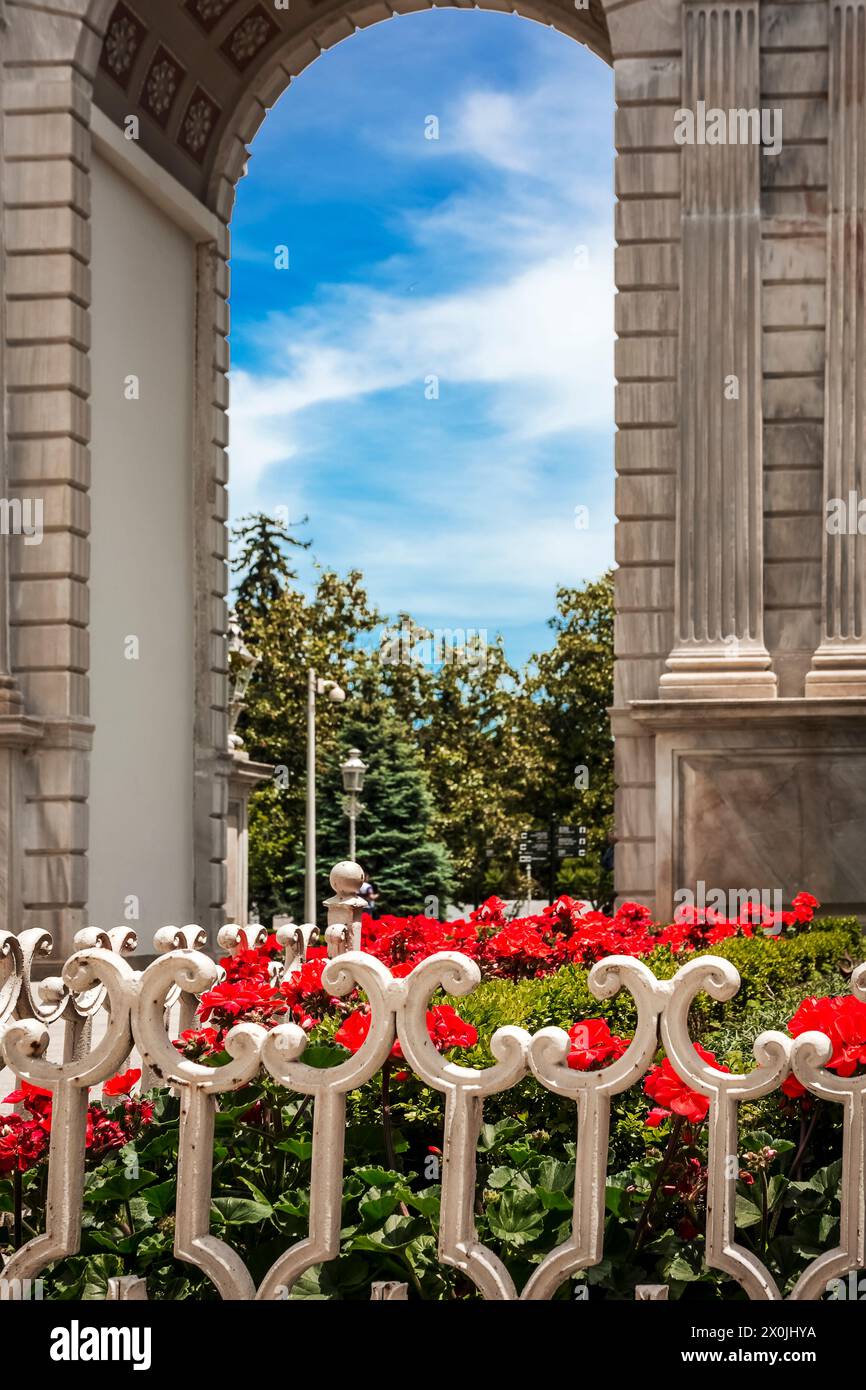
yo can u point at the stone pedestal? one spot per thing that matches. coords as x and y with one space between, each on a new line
243 778
17 734
760 794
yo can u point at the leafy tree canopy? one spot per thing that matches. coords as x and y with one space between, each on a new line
463 750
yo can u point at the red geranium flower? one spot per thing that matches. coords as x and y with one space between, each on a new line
445 1026
232 999
306 996
123 1084
447 1029
517 949
843 1019
22 1143
673 1095
102 1131
593 1044
198 1042
804 906
352 1033
33 1098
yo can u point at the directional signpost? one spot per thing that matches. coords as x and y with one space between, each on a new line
550 847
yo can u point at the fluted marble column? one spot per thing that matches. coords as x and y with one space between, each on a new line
839 664
17 731
719 649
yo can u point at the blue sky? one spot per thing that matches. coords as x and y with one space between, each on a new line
483 259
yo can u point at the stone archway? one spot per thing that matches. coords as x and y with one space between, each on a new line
738 664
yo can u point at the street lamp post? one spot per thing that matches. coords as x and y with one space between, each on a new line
316 685
353 770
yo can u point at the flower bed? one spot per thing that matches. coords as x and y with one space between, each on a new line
534 974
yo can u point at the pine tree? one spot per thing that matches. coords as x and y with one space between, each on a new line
262 562
408 866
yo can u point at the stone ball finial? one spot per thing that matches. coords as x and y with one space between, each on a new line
347 878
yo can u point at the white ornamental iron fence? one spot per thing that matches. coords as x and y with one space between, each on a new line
144 1010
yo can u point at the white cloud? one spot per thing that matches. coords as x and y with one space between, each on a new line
529 326
541 342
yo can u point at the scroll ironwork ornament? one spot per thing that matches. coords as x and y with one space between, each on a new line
724 1090
24 1047
11 974
464 1089
295 942
282 1055
809 1055
143 1006
592 1092
199 1087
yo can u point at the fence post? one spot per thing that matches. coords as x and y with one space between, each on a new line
345 908
389 1289
127 1288
295 942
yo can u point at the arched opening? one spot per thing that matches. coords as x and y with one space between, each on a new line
154 80
422 365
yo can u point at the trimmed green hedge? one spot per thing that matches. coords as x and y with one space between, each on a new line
775 975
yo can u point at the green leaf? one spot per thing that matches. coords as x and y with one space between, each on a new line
377 1177
315 1285
256 1191
776 1189
826 1180
117 1188
503 1177
555 1201
240 1211
555 1176
97 1272
160 1198
298 1148
324 1055
377 1206
746 1213
782 1146
394 1235
427 1203
518 1218
680 1270
294 1204
493 1135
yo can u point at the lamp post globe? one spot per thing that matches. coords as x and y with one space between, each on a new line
353 770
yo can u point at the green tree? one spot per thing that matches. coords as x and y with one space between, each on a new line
292 634
484 750
262 563
396 844
477 765
566 728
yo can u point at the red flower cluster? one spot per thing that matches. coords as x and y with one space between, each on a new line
843 1020
565 933
247 993
445 1026
593 1045
250 998
24 1141
673 1095
307 999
